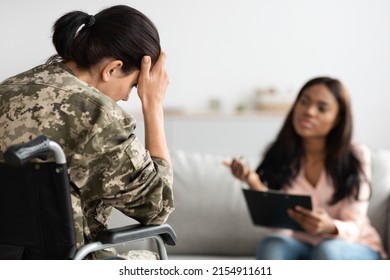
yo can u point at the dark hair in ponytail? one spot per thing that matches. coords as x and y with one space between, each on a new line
118 32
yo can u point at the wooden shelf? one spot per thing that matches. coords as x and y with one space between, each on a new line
224 114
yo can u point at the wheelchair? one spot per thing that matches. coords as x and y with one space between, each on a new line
36 214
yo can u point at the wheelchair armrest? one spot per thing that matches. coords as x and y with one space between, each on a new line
162 234
137 232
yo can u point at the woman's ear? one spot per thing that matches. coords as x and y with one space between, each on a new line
112 68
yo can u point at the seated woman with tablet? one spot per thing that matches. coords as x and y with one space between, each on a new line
313 155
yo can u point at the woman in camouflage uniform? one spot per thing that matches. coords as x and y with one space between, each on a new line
72 100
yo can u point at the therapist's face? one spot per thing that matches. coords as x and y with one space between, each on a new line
315 112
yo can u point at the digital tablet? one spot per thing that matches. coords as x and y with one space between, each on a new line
269 209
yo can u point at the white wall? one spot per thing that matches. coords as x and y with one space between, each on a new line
227 49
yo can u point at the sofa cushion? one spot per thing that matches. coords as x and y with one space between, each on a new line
379 208
211 216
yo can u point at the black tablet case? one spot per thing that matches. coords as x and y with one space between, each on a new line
269 209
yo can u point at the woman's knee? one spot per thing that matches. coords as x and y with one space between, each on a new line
274 241
326 250
276 247
342 250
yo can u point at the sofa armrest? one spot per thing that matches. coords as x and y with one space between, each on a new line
379 208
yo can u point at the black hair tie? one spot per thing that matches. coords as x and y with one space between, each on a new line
91 21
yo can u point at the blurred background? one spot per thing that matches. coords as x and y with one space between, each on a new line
236 65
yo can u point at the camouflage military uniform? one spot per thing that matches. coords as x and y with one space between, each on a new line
108 166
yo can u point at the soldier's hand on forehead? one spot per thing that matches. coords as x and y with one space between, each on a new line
153 81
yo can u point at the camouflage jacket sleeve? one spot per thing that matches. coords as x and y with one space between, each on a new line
114 169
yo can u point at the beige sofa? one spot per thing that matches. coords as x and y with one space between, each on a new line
211 217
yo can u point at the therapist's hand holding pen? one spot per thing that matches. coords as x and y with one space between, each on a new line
242 172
